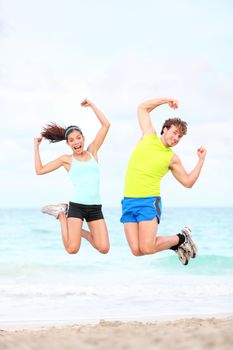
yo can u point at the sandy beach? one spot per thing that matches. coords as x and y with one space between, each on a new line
189 333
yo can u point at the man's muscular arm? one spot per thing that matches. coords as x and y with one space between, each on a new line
146 107
179 172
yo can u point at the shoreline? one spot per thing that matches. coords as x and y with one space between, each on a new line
35 325
184 333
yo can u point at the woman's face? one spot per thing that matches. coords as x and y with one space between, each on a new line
76 141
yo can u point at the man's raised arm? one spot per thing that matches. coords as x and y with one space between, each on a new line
146 107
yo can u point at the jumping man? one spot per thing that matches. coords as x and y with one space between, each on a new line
151 159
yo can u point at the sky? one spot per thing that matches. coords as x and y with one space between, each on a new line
117 53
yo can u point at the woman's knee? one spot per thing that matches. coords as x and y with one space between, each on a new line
104 249
72 249
136 251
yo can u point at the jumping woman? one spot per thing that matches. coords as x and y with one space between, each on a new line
83 169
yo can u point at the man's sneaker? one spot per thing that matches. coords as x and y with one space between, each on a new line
183 256
55 210
189 245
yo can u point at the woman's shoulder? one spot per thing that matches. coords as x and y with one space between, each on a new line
92 153
66 158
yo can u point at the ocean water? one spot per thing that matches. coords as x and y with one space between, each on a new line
40 282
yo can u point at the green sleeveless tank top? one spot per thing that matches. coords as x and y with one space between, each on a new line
147 165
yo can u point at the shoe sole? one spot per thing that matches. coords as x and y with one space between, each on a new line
51 210
193 250
183 256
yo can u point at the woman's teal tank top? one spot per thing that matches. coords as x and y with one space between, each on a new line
85 176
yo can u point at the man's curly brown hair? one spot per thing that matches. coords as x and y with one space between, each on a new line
178 123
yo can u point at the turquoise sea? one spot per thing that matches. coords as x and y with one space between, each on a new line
40 282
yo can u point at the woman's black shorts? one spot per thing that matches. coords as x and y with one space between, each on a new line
85 211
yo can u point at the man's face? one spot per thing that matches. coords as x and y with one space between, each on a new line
172 136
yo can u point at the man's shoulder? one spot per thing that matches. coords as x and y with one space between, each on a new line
149 136
174 160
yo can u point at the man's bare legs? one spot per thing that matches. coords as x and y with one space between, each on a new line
142 238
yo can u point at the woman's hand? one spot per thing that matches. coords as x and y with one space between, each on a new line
37 140
86 103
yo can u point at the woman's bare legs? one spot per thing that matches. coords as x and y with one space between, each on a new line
99 232
72 232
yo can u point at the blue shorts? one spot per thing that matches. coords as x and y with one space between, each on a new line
141 209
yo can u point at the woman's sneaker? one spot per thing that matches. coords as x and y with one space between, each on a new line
55 210
189 246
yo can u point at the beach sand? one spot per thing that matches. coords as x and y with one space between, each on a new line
190 333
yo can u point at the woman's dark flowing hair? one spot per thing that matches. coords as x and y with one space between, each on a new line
56 133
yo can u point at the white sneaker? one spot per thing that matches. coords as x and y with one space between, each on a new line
183 256
189 246
55 210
